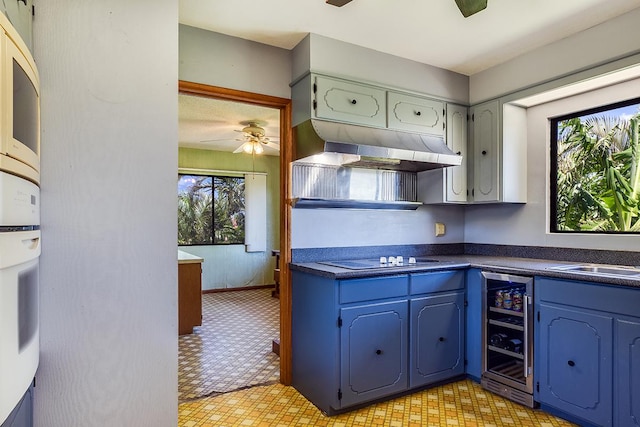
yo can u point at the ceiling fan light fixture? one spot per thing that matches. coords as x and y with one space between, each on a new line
469 7
248 148
257 148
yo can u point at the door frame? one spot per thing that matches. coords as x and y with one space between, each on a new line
284 105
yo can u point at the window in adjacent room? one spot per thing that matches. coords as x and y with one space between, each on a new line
595 170
211 210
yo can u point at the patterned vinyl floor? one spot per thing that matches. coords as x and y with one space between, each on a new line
232 348
232 351
462 403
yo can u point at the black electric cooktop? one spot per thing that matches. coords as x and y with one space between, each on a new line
367 264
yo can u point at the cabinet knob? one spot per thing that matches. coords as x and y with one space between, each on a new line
418 113
484 152
441 339
571 363
378 351
459 153
354 102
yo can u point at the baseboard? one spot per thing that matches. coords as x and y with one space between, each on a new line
244 288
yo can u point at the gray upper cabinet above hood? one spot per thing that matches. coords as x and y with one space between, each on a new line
336 143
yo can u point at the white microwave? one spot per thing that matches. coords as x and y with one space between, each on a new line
19 106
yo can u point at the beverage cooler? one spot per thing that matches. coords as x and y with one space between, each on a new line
507 336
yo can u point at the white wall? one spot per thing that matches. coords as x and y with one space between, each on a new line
528 224
325 228
108 267
610 40
230 62
229 266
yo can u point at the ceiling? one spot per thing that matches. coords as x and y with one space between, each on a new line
428 31
433 32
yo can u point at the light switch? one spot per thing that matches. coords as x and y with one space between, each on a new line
440 229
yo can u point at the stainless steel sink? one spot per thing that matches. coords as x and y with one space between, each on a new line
599 270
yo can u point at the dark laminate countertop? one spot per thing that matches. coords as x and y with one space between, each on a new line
520 266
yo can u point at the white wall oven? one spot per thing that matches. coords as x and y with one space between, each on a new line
20 106
19 288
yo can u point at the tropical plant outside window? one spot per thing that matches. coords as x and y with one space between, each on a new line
595 180
210 210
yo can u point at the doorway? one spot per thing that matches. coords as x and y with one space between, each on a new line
284 107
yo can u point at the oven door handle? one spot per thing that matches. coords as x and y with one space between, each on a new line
525 305
31 243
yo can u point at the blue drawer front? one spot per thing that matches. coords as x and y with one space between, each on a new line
437 282
373 288
595 296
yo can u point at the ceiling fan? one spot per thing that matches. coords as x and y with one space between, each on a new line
254 139
467 7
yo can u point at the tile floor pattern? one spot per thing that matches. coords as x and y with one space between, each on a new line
463 403
232 348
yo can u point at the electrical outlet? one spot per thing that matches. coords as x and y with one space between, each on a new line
440 229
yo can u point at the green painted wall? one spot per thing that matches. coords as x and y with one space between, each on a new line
230 266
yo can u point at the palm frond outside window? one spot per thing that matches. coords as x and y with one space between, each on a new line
595 181
211 210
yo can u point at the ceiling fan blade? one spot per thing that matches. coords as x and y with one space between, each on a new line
469 7
338 3
240 149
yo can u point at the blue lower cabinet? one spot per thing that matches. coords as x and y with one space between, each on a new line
373 341
353 339
437 338
628 372
575 362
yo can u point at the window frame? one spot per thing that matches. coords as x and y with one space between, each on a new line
553 170
213 177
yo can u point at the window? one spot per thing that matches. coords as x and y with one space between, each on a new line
210 210
595 170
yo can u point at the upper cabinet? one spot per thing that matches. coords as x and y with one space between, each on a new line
415 114
456 177
448 185
499 153
349 102
486 152
334 99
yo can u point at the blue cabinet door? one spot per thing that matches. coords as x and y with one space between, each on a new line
437 338
373 357
575 366
628 373
473 324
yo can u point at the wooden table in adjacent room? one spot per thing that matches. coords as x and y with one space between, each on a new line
189 292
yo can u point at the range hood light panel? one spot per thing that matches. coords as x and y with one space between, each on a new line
330 159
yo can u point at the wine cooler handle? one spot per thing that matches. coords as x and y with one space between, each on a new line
527 331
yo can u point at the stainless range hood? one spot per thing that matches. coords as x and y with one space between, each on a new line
341 144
